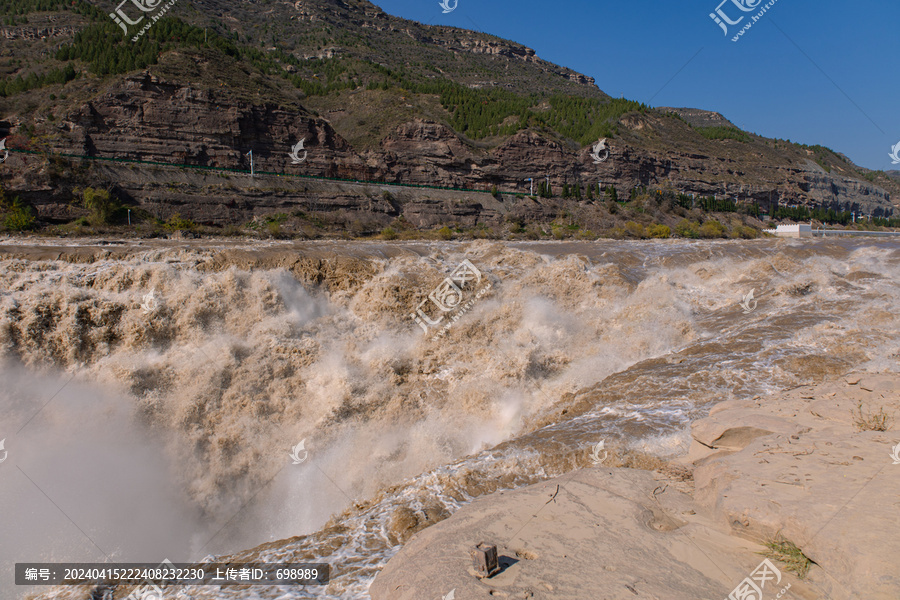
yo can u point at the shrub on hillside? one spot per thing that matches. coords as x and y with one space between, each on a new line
177 223
713 229
617 233
18 216
688 229
533 232
659 230
744 232
634 229
102 206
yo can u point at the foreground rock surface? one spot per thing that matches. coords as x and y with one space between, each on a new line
817 479
795 467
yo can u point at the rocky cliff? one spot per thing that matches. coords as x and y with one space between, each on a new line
146 119
206 108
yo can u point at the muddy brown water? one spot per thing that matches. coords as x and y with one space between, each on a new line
154 390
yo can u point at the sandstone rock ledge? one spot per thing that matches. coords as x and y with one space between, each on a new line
795 466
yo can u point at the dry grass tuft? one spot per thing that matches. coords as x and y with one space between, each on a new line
880 421
790 555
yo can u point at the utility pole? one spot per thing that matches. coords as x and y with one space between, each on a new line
250 154
531 179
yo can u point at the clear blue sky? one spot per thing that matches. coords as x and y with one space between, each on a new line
813 72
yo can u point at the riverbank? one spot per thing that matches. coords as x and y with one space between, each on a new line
803 469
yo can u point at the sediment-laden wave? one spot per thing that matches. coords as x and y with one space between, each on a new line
188 372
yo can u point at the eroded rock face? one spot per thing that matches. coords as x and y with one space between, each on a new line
146 119
440 155
149 120
498 48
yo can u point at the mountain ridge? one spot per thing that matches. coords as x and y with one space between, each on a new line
383 100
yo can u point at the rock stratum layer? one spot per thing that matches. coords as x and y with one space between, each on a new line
146 119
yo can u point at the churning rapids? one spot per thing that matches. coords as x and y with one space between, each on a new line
152 392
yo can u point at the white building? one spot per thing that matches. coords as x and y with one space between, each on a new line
795 230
